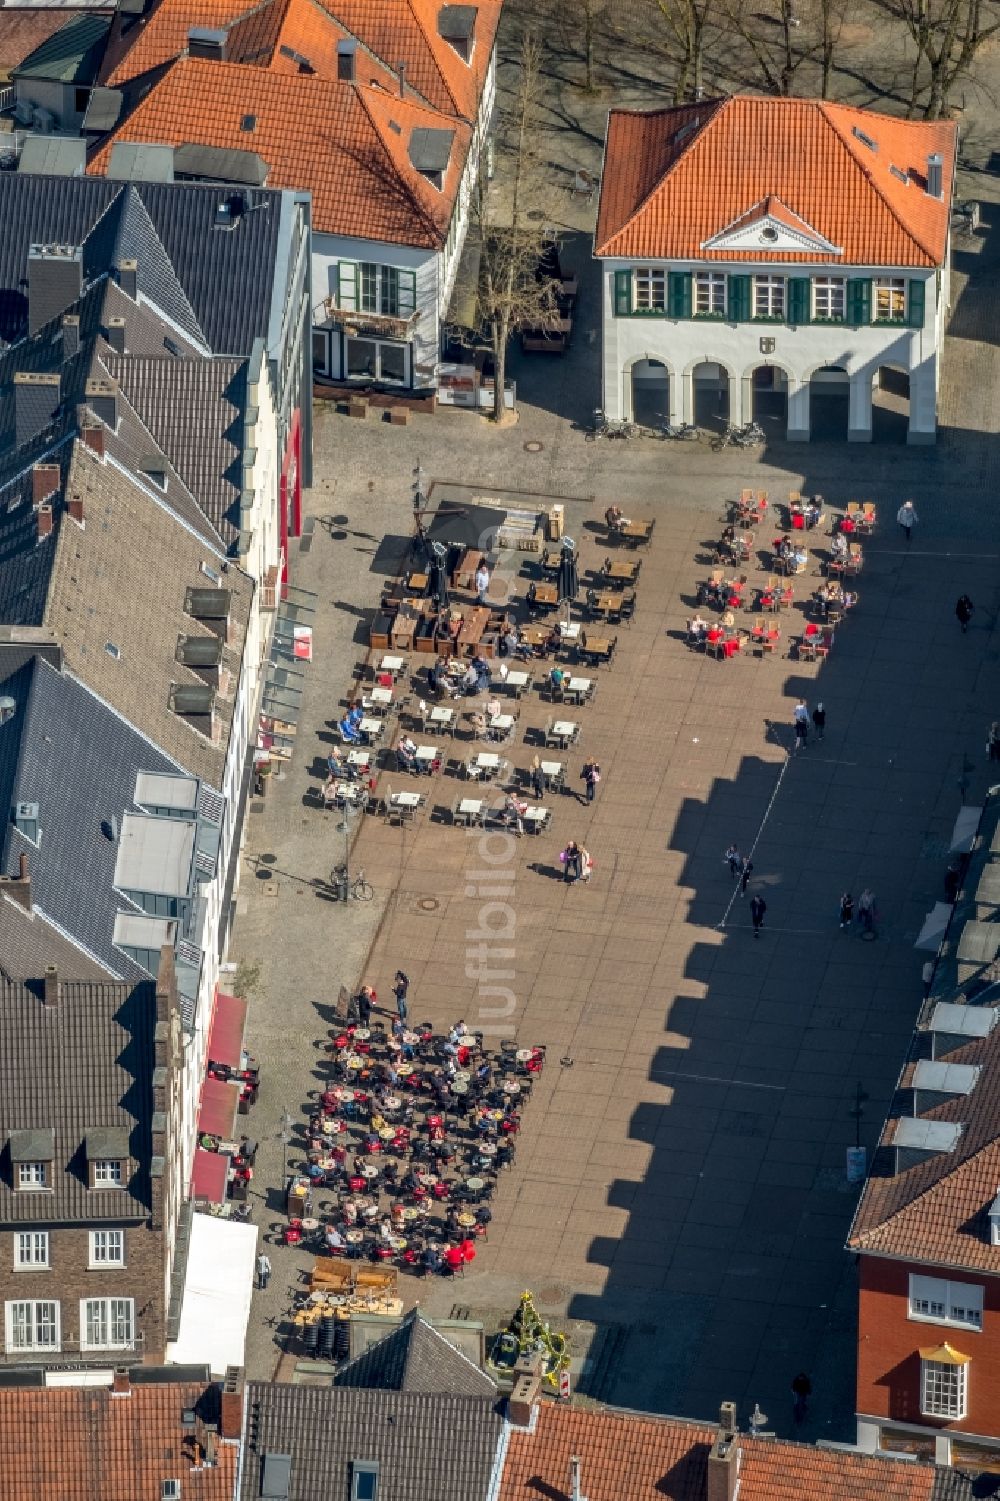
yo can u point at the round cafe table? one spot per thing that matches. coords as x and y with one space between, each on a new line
411 1039
466 1220
398 1242
523 1055
330 1128
459 1086
511 1086
343 1093
387 1133
427 1180
411 1212
487 1149
475 1185
463 1075
368 1170
354 1061
310 1224
392 1102
404 1070
434 1121
362 1034
354 1237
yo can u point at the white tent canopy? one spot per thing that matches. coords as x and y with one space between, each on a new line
966 827
217 1290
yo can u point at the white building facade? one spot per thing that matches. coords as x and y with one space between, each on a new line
772 314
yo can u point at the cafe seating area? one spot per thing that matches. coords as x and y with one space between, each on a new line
783 559
408 1132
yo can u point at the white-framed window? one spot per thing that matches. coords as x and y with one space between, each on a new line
709 293
769 296
107 1323
376 359
32 1325
649 290
890 299
32 1175
107 1248
936 1300
944 1389
107 1174
31 1248
829 295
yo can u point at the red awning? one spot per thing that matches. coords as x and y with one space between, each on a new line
225 1037
217 1116
208 1176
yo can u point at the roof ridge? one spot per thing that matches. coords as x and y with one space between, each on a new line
824 107
922 1194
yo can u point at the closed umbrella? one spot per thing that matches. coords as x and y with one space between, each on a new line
569 581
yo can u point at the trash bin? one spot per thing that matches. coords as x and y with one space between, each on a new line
555 523
340 883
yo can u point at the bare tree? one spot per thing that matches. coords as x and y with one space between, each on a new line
776 40
513 292
832 17
690 26
948 35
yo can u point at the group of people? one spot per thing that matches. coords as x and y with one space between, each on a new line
577 863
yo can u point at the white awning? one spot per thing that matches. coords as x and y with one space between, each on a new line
217 1290
934 927
965 830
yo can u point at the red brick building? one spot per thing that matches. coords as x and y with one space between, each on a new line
927 1232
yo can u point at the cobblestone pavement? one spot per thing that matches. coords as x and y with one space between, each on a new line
678 1200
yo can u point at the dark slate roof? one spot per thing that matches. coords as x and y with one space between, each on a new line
67 751
416 1357
72 54
195 410
428 1447
213 282
86 1062
25 563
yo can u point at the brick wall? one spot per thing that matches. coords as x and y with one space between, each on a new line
889 1341
69 1279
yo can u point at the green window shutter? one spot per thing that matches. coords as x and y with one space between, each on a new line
679 294
739 299
915 304
407 293
859 301
623 294
347 284
797 302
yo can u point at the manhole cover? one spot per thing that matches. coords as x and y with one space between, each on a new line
552 1295
267 859
428 904
265 875
340 520
338 536
534 446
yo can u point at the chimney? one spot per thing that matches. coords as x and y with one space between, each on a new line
51 985
45 480
524 1393
935 171
36 401
128 278
120 1383
575 1492
45 521
724 1458
18 887
55 282
116 336
93 436
76 508
231 1410
70 335
102 398
402 79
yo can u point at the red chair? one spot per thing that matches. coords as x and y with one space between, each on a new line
454 1260
293 1232
410 1256
384 1253
468 1250
798 521
434 1122
420 1193
356 1183
440 1190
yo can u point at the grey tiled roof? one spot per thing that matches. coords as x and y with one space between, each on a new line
122 578
416 1357
86 1062
194 409
213 282
427 1447
72 755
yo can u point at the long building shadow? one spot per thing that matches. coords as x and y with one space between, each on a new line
730 1276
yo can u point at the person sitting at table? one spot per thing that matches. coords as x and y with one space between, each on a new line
556 679
406 755
469 683
432 1260
493 708
696 628
799 558
339 768
349 731
838 547
812 512
334 1240
453 1259
437 683
481 668
848 601
614 519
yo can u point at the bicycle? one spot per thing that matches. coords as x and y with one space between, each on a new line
359 889
748 436
605 427
686 432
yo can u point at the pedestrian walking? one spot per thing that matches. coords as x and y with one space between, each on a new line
800 719
400 986
866 911
586 864
993 741
758 907
746 866
539 781
591 774
819 720
572 863
907 518
846 910
263 1270
482 581
735 860
802 1389
366 1000
965 610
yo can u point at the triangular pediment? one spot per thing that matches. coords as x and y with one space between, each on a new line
769 228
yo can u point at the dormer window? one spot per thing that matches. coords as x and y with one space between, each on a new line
430 153
31 1154
106 1151
107 1173
995 1221
364 1480
346 61
457 25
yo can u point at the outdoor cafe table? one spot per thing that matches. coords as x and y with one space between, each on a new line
427 1180
368 1170
459 1086
465 1219
637 532
625 573
354 1061
511 1086
404 1070
596 648
555 771
354 1237
487 1148
569 631
440 714
360 758
362 1034
406 799
425 757
535 635
608 603
381 696
503 723
371 726
578 689
349 792
485 765
563 729
516 682
524 1055
546 594
475 1185
392 664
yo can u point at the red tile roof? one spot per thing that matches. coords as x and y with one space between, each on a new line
84 1444
641 1458
347 144
676 177
937 1211
389 32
